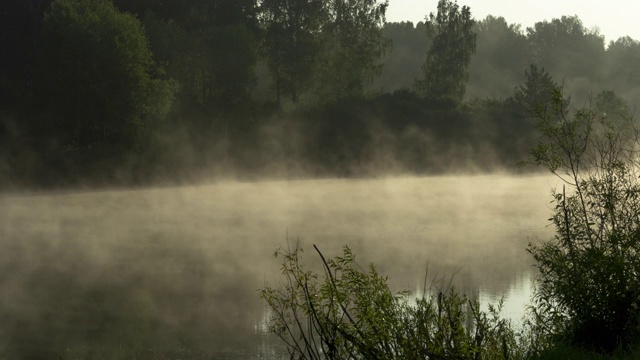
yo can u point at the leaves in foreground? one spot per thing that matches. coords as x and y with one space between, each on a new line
349 312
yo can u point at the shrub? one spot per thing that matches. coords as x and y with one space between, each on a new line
349 312
588 288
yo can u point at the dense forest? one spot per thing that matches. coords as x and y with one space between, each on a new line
140 91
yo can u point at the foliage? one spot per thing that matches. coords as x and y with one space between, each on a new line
589 273
209 46
291 42
98 85
448 58
609 105
622 73
353 48
57 91
403 63
331 46
233 59
502 52
535 96
567 48
349 312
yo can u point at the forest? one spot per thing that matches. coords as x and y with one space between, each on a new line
135 92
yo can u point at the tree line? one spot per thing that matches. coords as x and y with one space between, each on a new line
137 91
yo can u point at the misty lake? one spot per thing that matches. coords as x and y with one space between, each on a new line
174 272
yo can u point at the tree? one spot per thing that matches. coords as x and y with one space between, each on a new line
208 46
502 53
622 67
100 92
612 107
230 41
292 43
233 59
403 63
567 49
334 47
448 58
353 48
537 93
589 272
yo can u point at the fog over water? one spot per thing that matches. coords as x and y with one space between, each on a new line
176 270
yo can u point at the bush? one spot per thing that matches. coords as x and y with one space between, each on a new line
589 292
349 312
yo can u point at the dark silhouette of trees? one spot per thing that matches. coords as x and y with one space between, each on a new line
332 47
292 42
403 62
66 102
536 93
569 51
20 24
97 87
502 52
209 47
448 58
353 48
609 105
623 69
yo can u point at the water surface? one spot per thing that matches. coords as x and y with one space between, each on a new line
175 271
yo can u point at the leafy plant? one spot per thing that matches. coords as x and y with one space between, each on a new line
349 312
589 290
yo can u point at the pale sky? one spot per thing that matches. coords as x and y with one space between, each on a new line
614 18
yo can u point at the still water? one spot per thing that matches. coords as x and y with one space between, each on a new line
174 272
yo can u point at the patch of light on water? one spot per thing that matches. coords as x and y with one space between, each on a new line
516 298
262 325
192 257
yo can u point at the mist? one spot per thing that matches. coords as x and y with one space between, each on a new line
138 272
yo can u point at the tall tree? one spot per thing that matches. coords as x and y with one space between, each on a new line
623 68
292 40
353 47
612 107
538 91
97 85
233 41
570 51
448 58
209 46
403 64
502 53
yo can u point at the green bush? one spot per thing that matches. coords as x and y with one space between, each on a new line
588 289
349 312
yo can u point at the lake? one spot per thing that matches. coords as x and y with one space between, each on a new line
174 272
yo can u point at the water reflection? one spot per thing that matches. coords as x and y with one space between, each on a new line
176 270
516 296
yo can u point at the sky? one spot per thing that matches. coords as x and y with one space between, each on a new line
614 18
